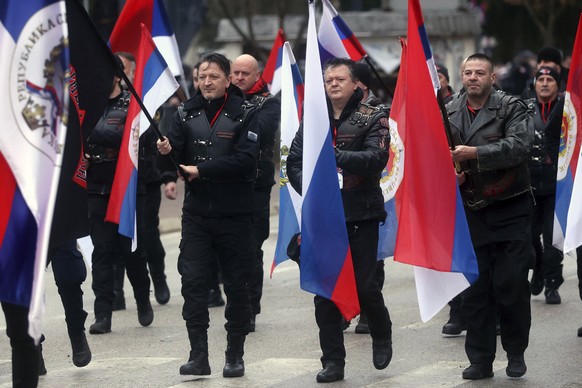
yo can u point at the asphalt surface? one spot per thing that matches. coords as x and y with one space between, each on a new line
284 351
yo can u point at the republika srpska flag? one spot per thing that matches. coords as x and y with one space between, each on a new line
34 60
292 91
272 71
326 260
154 83
568 211
433 233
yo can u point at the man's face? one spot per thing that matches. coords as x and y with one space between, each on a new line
195 79
244 74
213 81
546 88
443 81
339 86
129 67
478 78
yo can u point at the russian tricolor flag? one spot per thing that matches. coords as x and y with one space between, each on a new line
292 91
433 234
126 33
272 71
568 211
154 83
335 37
326 259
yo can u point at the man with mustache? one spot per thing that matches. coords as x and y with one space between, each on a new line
493 133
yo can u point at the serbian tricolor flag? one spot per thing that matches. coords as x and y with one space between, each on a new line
289 200
568 211
33 105
326 259
272 71
433 234
154 83
126 33
335 37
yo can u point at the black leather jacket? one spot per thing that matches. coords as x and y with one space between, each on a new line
102 145
503 134
362 142
268 119
226 154
543 158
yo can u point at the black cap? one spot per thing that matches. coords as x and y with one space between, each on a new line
443 70
363 73
550 54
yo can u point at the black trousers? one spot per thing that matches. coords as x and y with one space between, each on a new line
152 244
261 233
108 244
70 272
502 240
548 260
363 239
204 240
25 354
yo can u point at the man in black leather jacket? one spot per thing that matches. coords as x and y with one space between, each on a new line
214 140
547 106
102 150
493 133
361 138
246 75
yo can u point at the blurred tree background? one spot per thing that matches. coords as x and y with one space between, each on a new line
508 26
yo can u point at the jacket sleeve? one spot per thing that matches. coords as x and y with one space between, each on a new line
268 119
244 159
513 148
373 157
295 161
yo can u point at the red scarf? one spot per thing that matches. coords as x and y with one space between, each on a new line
257 87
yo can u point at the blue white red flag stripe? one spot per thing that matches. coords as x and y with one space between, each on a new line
568 210
154 83
326 261
335 37
17 254
289 199
152 13
32 102
272 71
432 227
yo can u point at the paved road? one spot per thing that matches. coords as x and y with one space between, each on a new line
284 351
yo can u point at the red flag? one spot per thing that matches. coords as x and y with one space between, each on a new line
272 71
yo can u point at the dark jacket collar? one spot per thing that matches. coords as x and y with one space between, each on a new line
233 104
351 105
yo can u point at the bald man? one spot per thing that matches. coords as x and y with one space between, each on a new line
246 75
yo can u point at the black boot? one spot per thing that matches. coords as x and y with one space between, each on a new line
161 291
381 352
118 295
198 361
102 325
362 326
145 313
81 351
234 366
